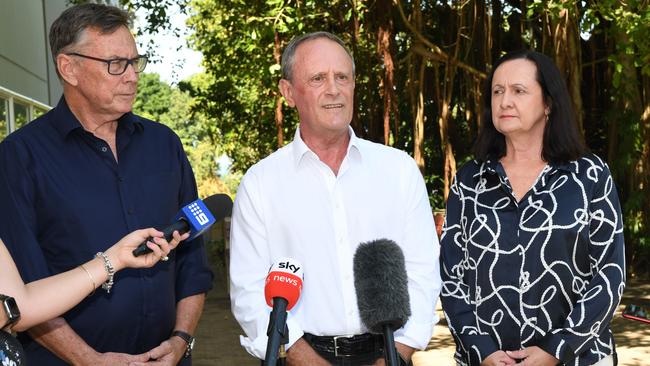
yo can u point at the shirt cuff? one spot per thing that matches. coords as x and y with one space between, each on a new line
556 346
257 347
416 335
478 347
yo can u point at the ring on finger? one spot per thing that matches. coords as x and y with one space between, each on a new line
164 258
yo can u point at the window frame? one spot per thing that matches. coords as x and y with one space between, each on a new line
9 98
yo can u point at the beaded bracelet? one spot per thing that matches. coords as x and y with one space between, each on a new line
108 266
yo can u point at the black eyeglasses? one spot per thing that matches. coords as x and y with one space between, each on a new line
117 66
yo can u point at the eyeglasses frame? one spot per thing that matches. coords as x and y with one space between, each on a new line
129 61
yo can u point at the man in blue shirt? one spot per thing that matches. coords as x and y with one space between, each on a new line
82 176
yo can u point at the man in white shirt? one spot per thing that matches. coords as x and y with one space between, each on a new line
317 199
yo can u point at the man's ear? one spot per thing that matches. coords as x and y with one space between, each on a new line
67 67
286 89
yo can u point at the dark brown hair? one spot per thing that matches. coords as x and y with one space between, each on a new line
563 142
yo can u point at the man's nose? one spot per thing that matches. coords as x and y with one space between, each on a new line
331 87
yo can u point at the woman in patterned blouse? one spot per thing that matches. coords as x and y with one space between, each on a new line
532 251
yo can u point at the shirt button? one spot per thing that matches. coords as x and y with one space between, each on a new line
104 149
130 211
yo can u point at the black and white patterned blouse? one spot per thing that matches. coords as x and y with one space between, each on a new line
548 271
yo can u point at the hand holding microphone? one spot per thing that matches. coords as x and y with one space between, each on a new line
282 291
195 218
381 285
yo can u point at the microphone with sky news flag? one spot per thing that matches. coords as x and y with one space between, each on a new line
282 291
195 217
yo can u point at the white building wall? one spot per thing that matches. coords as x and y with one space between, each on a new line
25 66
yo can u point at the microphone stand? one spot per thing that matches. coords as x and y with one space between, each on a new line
278 333
390 353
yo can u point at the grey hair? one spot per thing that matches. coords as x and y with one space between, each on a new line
69 27
288 56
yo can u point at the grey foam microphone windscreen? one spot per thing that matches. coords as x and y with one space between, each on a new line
381 285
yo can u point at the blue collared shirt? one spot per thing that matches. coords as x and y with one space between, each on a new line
64 198
546 271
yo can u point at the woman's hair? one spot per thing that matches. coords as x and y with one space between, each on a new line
563 142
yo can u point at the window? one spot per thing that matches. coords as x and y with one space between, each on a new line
38 112
4 125
17 110
21 115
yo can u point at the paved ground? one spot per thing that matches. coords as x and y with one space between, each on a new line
218 333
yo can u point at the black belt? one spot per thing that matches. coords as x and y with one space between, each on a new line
346 346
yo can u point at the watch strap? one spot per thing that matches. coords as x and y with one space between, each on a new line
188 339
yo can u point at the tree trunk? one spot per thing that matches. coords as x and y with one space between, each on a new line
384 38
566 40
496 21
418 128
629 103
450 73
279 117
645 150
355 123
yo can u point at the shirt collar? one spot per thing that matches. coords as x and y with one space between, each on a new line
491 166
300 149
64 121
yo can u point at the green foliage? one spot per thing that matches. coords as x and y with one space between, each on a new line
173 107
238 41
631 18
231 107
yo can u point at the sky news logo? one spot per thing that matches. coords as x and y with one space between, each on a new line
291 280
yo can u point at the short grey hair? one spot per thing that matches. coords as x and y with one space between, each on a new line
288 56
68 28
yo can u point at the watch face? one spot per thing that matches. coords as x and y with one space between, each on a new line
11 308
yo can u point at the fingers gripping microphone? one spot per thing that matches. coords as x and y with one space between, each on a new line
196 217
282 291
381 285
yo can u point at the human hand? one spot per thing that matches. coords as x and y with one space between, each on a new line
168 353
404 351
498 358
113 359
121 254
301 354
533 356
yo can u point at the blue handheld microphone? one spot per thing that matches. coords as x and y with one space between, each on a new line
195 218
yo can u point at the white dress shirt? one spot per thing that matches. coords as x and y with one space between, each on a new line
291 204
